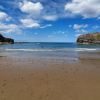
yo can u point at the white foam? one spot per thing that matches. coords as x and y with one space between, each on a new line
30 50
64 49
85 49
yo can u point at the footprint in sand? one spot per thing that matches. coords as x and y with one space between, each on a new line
4 83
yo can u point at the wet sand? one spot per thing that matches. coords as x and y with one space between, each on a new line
27 79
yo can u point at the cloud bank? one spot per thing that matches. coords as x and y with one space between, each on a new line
85 8
35 13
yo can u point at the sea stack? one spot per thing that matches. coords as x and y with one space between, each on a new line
90 38
4 40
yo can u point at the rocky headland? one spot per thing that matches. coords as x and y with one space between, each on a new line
4 40
90 38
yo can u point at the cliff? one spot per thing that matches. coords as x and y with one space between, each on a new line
4 40
90 38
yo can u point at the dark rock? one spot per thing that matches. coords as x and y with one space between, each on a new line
4 40
90 38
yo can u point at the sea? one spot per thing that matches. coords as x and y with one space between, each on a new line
48 51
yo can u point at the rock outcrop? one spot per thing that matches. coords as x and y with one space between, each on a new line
90 38
4 40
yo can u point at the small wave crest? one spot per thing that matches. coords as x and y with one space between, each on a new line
30 50
86 49
64 49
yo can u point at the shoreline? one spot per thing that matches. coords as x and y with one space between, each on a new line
28 79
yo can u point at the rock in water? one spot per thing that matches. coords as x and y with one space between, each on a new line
91 38
4 40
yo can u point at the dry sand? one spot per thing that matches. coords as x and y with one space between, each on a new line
27 79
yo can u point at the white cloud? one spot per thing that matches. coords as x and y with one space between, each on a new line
6 27
30 7
81 31
60 32
4 16
45 26
85 8
50 17
33 15
39 10
79 26
9 28
29 23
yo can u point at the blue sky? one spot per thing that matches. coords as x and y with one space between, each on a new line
48 20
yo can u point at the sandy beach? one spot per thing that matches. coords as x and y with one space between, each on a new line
49 49
27 79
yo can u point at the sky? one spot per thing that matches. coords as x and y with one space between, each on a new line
48 20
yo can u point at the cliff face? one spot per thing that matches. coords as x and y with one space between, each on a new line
91 38
4 40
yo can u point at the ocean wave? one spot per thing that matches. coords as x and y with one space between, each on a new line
86 49
30 50
63 49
